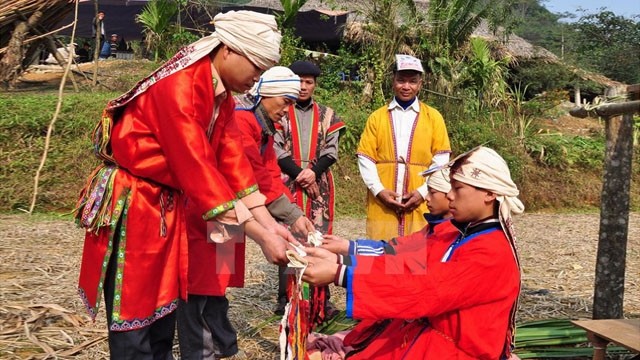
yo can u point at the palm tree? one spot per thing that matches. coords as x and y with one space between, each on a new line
156 18
451 23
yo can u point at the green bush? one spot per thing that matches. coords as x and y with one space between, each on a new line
542 77
543 163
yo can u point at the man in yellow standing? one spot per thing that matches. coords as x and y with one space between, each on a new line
400 140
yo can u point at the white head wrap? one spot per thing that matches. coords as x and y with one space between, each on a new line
440 181
249 33
277 81
485 169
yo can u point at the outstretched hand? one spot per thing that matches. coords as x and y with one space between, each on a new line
284 233
335 244
319 271
302 227
274 249
321 253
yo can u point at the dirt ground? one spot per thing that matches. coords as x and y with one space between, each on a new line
41 315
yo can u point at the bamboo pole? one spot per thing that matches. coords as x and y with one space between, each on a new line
55 115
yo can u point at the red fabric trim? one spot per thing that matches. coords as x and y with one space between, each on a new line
336 127
293 121
367 156
313 145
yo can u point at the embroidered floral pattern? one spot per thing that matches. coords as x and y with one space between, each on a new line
247 191
117 296
125 325
219 210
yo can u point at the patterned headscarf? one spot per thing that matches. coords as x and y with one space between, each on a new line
485 169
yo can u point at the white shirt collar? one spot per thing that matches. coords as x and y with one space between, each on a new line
415 105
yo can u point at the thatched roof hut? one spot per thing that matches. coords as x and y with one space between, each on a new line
513 45
24 24
354 30
14 12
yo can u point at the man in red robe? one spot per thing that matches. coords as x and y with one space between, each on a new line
155 142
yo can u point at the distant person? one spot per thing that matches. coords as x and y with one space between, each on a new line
84 53
111 47
399 141
98 28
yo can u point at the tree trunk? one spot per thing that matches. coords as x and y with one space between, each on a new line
367 91
11 62
96 51
614 218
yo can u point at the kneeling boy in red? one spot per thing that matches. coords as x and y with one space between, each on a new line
463 306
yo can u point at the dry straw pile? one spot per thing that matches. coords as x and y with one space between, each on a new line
41 316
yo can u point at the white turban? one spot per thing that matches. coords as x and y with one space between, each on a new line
249 33
277 81
485 169
440 181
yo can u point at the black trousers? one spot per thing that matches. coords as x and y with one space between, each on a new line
153 342
204 329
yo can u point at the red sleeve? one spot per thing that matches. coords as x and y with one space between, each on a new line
265 165
177 110
233 164
481 271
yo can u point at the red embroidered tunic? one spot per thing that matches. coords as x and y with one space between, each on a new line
214 267
162 152
457 309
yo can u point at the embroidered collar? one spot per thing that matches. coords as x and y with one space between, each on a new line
467 229
218 86
434 220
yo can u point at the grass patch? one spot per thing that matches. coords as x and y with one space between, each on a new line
555 172
23 127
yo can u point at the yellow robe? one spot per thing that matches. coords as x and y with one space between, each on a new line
428 137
